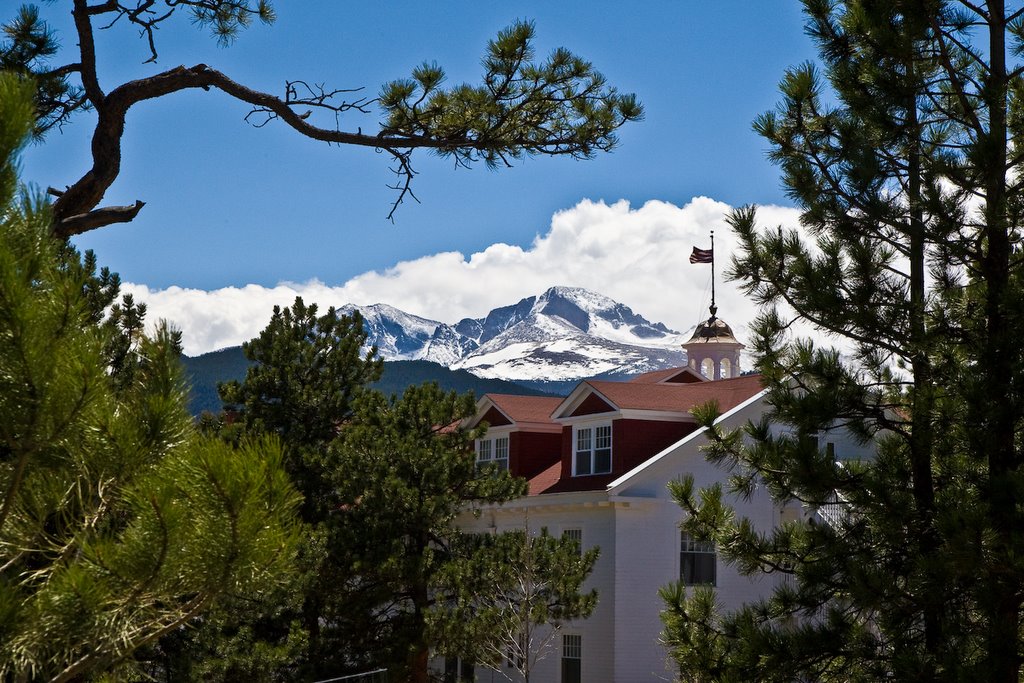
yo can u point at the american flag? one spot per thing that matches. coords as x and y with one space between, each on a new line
702 255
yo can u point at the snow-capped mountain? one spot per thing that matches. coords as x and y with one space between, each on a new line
401 336
564 335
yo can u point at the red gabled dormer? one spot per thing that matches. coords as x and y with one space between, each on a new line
520 434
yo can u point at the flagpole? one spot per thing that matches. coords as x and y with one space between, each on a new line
714 309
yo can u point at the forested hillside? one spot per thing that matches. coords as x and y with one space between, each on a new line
207 370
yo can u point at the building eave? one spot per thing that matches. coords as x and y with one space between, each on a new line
560 502
534 427
656 415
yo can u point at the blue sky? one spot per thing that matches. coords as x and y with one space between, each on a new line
244 212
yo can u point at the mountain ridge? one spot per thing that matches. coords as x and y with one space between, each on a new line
546 343
565 334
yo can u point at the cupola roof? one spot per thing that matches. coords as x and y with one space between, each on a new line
713 330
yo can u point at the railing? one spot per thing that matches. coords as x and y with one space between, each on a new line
375 676
834 512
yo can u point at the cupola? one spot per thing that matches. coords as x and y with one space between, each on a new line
713 350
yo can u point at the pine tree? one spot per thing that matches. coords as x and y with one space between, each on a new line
118 522
308 369
383 481
901 155
522 587
560 106
407 471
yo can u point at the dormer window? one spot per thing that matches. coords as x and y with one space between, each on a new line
493 451
593 450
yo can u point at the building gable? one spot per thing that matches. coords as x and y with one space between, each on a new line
592 405
495 418
685 376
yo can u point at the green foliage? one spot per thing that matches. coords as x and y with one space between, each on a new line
692 632
899 152
560 106
118 523
304 373
406 471
383 481
519 589
307 370
28 46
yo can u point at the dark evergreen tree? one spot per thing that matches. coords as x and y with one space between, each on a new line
383 482
118 522
407 470
559 106
306 371
902 156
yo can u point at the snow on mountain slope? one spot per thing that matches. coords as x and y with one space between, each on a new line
397 334
565 334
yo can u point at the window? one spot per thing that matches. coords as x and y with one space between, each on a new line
458 670
572 658
501 452
483 452
696 561
593 450
707 368
514 655
725 368
575 534
492 452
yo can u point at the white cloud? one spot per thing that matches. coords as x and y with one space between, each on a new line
638 257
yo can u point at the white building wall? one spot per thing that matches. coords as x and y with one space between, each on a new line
648 544
597 521
598 632
648 547
636 525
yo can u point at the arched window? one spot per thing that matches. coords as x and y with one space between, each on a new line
707 368
726 368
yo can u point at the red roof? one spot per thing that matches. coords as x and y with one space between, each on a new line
595 482
526 408
657 376
545 479
678 397
634 395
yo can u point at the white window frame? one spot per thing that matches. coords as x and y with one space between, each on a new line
575 533
591 440
501 451
493 450
698 550
572 649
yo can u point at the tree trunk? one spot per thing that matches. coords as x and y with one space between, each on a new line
1002 592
